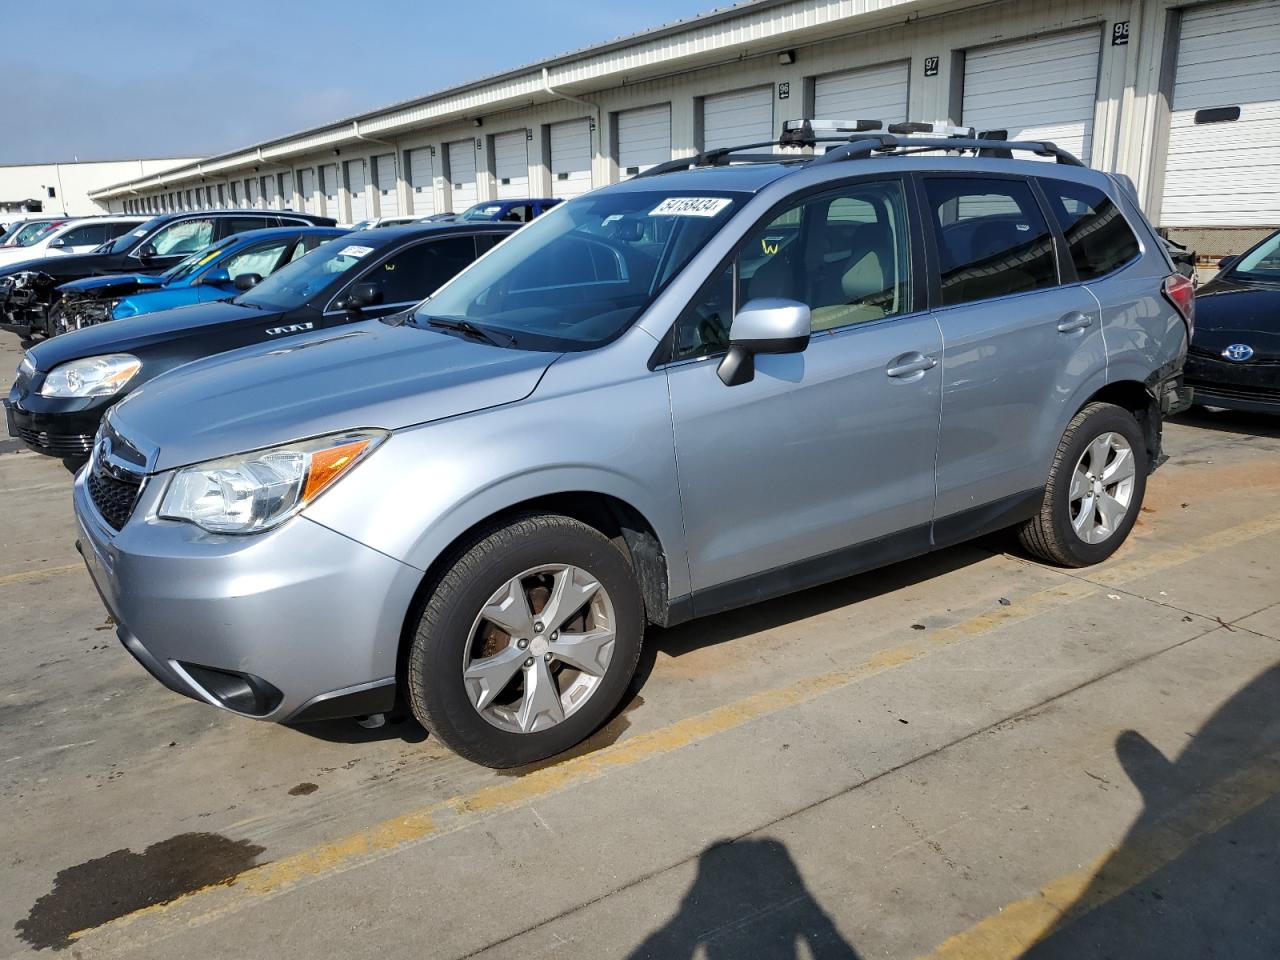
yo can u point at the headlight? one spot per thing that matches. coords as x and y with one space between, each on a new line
26 368
255 491
91 377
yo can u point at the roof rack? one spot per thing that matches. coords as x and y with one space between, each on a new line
858 139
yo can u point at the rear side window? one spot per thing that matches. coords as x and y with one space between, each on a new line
413 274
1097 234
992 238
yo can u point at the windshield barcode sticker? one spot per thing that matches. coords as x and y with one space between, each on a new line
690 207
354 251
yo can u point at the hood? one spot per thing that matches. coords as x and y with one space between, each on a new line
133 333
112 284
368 374
1230 311
73 264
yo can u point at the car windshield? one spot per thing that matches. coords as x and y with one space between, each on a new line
295 283
361 225
126 241
32 232
481 211
578 276
184 268
1262 262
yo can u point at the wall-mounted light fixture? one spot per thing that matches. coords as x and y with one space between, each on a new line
787 57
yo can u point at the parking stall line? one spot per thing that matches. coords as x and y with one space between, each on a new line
26 575
1016 927
389 836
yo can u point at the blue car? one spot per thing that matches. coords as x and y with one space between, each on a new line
504 211
217 272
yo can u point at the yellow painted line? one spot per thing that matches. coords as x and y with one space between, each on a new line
457 812
1017 927
26 575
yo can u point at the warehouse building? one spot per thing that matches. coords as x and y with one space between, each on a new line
66 187
1183 97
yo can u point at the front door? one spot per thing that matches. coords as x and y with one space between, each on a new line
823 463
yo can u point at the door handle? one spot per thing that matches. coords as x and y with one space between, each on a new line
1075 320
909 364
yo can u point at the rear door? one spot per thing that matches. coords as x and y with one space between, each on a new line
1019 342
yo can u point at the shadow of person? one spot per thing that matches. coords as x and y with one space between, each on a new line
748 900
1198 873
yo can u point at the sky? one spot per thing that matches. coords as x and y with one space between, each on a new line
125 79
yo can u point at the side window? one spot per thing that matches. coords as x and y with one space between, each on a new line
183 237
1098 236
93 233
261 259
413 274
241 224
992 239
845 254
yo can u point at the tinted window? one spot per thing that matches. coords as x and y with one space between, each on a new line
1098 236
844 254
992 239
241 224
1262 262
418 271
91 233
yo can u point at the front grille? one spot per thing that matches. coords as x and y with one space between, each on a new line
59 444
1234 392
114 496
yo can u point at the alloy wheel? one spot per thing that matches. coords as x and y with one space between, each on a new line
1102 488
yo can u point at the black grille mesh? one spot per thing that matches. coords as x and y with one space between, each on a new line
113 497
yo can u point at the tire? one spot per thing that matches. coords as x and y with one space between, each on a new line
453 638
1051 535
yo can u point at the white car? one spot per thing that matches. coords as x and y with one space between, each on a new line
74 236
374 222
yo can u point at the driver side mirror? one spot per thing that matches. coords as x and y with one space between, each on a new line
216 277
1223 264
247 281
146 252
766 325
58 242
362 295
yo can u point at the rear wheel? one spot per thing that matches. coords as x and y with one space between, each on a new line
527 642
1095 489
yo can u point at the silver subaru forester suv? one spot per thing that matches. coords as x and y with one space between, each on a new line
712 384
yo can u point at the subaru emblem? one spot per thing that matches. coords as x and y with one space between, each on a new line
1239 352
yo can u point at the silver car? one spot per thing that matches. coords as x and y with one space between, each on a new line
667 398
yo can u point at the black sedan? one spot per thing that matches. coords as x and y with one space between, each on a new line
66 384
1234 359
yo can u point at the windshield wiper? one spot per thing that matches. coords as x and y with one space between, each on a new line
495 337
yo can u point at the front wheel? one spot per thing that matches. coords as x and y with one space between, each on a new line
527 642
1095 489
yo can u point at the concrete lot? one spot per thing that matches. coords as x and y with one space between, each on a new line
967 756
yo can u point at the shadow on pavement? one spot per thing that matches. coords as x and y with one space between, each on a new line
1196 876
748 900
1231 421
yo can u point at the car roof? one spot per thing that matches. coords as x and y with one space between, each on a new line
268 233
449 228
739 178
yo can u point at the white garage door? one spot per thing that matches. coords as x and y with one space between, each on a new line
252 195
329 187
570 158
873 93
384 181
511 164
357 181
1041 89
462 174
421 192
732 119
1224 172
268 188
284 183
644 139
307 185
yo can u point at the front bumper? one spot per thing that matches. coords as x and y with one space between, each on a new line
58 427
294 624
1253 386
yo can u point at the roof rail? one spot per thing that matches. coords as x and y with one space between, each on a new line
857 139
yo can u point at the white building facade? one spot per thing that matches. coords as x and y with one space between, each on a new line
67 187
1183 97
